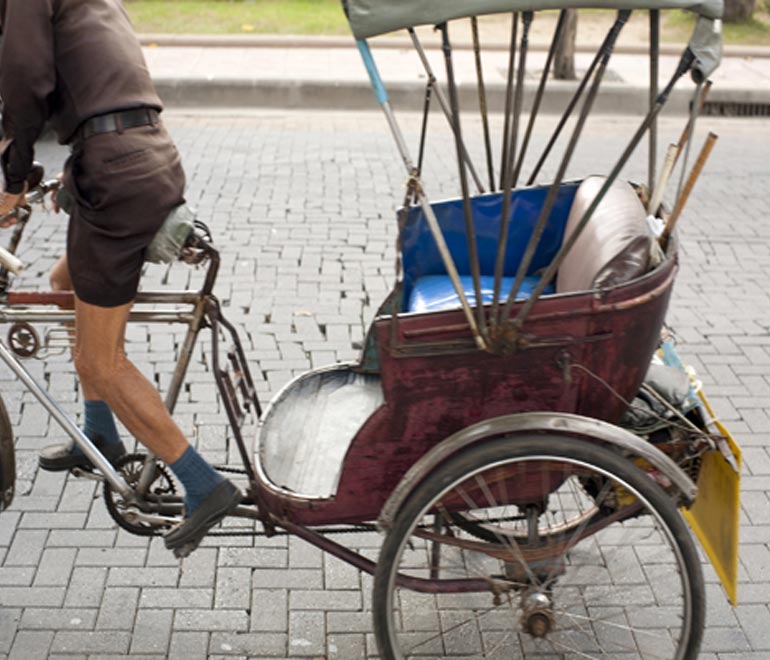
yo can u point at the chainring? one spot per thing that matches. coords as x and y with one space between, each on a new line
130 468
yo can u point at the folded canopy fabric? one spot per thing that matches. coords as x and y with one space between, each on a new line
369 18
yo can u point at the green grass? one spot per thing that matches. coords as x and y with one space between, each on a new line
325 17
234 17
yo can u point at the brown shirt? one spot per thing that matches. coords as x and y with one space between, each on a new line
64 61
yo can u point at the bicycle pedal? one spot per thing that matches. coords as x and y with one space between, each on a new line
84 473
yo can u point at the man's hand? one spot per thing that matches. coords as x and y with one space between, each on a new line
8 202
55 194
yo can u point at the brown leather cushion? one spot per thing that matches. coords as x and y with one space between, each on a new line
614 247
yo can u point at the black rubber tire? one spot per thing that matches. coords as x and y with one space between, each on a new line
7 459
474 459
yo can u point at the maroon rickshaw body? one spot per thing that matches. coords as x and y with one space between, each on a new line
436 382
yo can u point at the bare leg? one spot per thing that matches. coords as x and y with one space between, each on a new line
107 374
60 276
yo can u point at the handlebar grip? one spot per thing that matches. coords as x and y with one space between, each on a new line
10 261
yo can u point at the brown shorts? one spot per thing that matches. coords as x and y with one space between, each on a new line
124 185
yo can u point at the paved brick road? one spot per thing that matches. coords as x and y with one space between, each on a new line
302 207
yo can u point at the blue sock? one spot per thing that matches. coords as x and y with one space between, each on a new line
197 477
99 422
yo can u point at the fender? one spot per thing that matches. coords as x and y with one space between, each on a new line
538 423
7 460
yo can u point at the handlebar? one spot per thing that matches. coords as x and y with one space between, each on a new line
38 189
10 262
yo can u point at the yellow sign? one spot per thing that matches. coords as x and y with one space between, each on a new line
715 514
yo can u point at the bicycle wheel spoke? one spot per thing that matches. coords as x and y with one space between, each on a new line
546 549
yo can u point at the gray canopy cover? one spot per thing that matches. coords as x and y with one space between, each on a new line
369 18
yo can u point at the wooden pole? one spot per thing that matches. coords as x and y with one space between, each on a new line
688 186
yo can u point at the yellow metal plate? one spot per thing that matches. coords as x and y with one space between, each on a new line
715 514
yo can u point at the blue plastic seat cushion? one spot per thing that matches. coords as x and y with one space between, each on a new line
435 292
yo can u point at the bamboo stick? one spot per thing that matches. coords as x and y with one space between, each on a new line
688 186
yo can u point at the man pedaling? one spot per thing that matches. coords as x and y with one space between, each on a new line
79 66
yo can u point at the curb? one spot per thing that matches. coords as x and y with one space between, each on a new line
613 99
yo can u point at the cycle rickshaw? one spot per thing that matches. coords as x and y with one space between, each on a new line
529 502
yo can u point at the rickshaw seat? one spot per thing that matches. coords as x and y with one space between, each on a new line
435 292
422 264
306 430
614 247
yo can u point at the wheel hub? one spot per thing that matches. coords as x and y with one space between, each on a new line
537 614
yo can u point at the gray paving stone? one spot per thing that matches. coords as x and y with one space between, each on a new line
189 646
31 645
55 567
248 644
47 618
118 609
312 198
9 623
90 643
211 620
152 632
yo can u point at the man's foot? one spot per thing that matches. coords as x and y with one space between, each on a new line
65 455
188 534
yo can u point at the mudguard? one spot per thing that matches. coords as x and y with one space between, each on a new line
7 460
544 423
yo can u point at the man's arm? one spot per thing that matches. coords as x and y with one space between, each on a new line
27 79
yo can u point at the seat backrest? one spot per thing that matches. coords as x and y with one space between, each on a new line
614 247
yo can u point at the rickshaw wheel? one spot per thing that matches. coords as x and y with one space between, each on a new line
623 582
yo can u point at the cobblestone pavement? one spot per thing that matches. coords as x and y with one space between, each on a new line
302 206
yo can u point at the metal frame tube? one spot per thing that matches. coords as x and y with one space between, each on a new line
79 438
445 106
483 101
685 64
570 107
430 216
545 212
557 34
505 220
470 229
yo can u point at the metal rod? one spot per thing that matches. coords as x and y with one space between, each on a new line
505 220
424 129
698 104
545 211
652 151
571 105
685 64
66 316
688 186
557 35
509 97
67 425
675 150
483 101
470 230
445 105
219 375
430 216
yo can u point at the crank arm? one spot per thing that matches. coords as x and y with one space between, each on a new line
134 515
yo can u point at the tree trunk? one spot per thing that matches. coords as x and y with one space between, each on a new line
738 10
564 58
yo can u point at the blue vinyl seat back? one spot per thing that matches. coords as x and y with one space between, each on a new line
421 256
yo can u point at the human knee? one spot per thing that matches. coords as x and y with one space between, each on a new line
59 278
99 372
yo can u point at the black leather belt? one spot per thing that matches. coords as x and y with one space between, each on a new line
117 122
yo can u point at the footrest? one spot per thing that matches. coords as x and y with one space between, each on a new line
436 292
